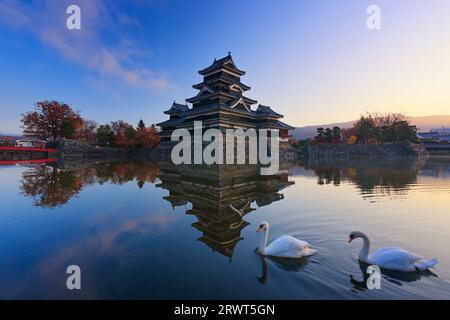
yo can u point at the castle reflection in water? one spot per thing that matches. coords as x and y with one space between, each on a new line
221 196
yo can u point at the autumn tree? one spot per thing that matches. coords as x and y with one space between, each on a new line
365 129
130 133
49 119
50 188
88 131
121 131
147 137
374 127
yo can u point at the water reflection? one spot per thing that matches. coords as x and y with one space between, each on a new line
394 277
50 187
139 240
290 265
220 196
55 184
222 191
391 176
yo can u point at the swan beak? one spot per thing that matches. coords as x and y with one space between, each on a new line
350 239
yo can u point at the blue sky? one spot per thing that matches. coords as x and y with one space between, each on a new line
314 61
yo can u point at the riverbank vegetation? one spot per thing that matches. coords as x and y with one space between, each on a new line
371 128
54 121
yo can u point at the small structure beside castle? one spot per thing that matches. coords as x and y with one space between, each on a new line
220 103
437 135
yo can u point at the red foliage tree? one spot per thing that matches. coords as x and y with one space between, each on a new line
120 133
88 131
48 118
147 137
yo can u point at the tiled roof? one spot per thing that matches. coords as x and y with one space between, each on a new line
266 110
177 108
221 62
283 125
171 122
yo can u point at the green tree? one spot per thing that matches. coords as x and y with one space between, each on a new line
328 135
336 133
105 135
384 128
67 130
141 124
365 129
399 131
320 134
130 133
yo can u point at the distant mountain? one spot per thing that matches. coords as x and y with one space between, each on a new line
5 134
425 123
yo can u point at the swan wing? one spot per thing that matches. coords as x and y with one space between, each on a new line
394 258
287 247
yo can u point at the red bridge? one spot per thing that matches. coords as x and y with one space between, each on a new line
28 149
14 155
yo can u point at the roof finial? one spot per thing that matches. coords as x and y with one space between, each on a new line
229 53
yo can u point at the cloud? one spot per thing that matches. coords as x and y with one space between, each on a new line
102 45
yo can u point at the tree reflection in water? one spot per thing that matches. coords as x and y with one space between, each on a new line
220 195
371 176
50 186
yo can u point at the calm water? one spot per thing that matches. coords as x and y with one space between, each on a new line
141 230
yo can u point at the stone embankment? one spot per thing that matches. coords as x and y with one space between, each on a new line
348 151
163 152
73 149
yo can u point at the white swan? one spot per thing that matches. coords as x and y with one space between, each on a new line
284 246
391 258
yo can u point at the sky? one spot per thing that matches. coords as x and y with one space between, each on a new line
315 61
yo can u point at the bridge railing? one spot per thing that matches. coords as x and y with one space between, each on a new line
29 149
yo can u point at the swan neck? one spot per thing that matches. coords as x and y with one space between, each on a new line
364 253
263 240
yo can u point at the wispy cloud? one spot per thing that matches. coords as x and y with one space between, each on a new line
102 45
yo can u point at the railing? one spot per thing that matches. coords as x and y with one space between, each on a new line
437 146
28 149
27 161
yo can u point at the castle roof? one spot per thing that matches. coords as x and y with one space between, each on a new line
177 108
267 111
225 62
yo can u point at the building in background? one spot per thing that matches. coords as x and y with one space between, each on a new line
436 135
31 142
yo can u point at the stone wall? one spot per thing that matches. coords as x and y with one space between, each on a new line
81 149
163 152
74 149
393 149
287 152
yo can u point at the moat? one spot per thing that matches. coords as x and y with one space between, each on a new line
140 229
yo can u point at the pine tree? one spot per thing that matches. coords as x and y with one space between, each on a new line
141 124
